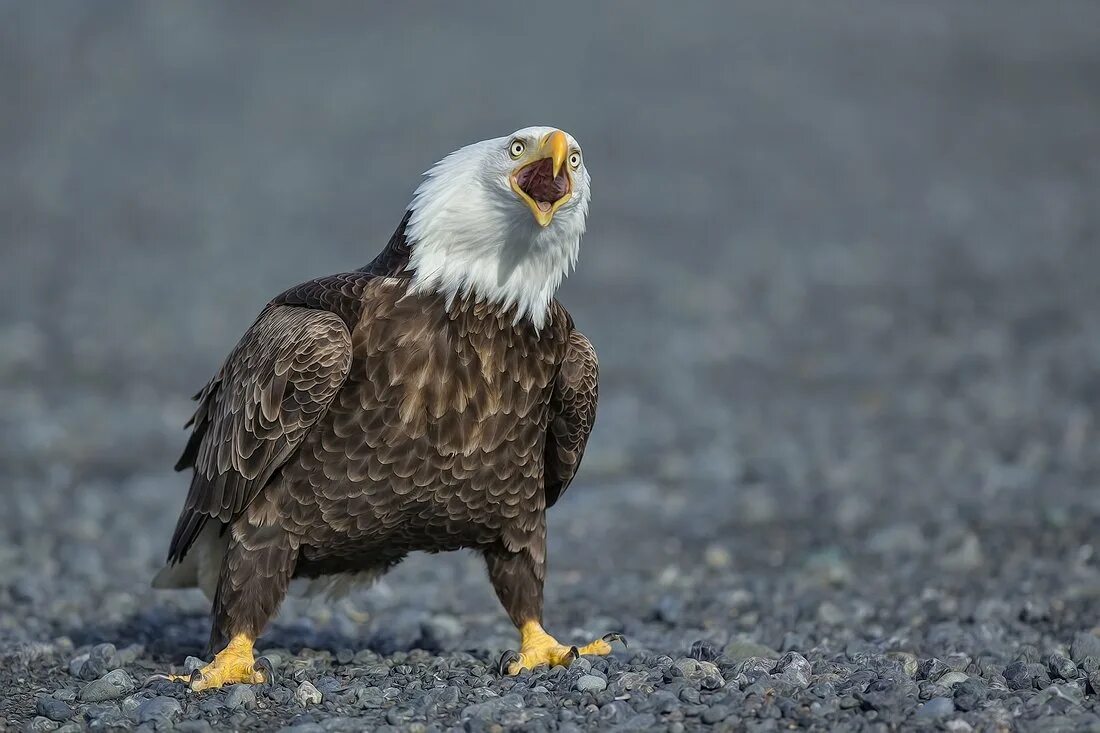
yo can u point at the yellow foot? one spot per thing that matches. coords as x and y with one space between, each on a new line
538 647
232 665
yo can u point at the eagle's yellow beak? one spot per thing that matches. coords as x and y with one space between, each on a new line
558 147
543 180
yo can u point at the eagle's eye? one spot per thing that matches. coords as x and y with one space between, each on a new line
575 160
517 148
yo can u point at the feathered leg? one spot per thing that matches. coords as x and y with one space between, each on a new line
518 579
255 574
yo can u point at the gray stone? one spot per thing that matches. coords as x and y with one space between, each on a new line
114 684
950 679
1069 693
1026 676
969 694
41 723
908 662
795 669
76 664
54 709
369 697
106 716
932 669
281 695
276 657
1061 666
65 694
715 714
590 683
101 659
307 694
159 709
687 667
192 663
704 650
240 697
130 704
488 710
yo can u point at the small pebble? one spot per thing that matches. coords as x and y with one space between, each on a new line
54 709
114 684
950 679
240 697
590 683
307 694
1061 666
159 709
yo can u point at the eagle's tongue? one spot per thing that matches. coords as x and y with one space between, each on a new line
537 181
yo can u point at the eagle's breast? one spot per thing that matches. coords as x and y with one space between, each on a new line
436 441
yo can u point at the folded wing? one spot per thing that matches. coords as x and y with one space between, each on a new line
573 410
273 387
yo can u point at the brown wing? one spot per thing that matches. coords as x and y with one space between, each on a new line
573 410
276 383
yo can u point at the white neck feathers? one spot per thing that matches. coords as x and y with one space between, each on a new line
469 235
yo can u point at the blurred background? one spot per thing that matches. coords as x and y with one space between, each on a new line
842 271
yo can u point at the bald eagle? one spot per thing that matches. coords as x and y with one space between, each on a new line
438 398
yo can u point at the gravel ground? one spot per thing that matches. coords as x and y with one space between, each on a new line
842 275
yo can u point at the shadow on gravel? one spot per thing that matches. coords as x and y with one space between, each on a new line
169 635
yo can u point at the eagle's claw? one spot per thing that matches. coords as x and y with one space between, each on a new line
196 678
538 648
615 636
509 657
263 665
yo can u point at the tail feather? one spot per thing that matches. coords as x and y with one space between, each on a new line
199 568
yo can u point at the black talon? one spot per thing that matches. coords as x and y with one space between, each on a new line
196 676
506 659
615 636
574 652
263 664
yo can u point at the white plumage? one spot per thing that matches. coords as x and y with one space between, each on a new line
471 233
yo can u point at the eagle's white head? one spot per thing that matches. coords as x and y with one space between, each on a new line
501 220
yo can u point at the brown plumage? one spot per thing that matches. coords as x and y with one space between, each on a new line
355 423
439 398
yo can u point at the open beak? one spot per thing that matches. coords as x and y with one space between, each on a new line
543 180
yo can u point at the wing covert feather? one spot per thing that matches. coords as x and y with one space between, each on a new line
251 417
573 410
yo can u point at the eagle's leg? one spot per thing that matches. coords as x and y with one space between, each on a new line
255 574
517 579
232 665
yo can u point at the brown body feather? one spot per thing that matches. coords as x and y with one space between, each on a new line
355 423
